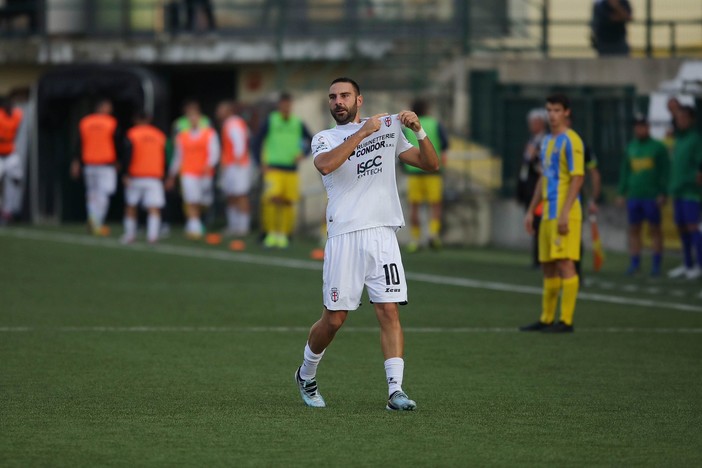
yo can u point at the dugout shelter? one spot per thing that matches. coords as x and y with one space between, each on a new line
61 98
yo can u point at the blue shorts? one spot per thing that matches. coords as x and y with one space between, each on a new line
686 212
641 210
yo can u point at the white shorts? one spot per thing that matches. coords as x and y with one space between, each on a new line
370 258
147 191
11 166
197 190
100 179
235 180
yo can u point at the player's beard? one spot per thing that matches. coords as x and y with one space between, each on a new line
348 116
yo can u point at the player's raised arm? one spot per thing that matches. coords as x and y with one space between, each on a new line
425 156
328 162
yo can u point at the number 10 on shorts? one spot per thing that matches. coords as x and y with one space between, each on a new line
392 275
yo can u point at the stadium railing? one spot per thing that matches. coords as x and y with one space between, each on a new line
495 26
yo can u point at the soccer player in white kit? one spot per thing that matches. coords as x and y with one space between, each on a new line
357 162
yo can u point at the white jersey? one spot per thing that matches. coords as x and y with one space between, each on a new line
362 192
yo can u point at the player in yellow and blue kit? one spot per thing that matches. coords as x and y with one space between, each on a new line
563 170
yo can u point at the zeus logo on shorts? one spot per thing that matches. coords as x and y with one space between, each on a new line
334 293
370 167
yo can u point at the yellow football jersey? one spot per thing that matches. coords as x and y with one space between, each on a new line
562 158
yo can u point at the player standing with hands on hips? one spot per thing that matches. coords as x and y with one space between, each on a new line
357 162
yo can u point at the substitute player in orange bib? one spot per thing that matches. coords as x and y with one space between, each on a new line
144 179
98 138
10 120
195 157
357 160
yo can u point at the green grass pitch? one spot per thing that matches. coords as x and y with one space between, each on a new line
184 354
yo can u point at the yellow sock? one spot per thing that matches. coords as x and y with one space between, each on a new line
287 219
416 232
552 286
278 219
268 215
434 227
570 294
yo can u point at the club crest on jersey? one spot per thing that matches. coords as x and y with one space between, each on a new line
334 293
388 121
320 145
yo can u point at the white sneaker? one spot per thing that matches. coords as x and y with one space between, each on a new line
693 273
399 401
309 392
677 272
126 240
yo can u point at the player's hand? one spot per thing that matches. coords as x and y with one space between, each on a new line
532 151
620 201
529 223
660 200
75 169
410 120
592 208
126 181
563 225
170 184
372 125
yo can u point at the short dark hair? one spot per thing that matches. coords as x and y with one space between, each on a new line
101 102
285 96
559 98
640 119
420 106
5 104
141 115
190 102
343 79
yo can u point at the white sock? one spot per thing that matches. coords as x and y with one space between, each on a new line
394 371
12 196
193 226
91 208
309 364
244 222
232 215
130 227
102 204
153 226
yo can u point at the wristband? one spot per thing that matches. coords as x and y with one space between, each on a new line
421 134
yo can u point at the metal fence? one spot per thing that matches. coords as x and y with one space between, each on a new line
497 26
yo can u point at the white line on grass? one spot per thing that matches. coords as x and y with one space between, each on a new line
198 252
348 329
